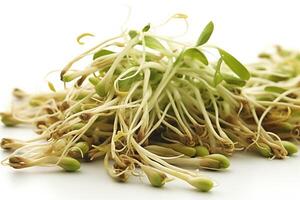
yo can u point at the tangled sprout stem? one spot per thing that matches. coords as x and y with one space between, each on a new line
148 103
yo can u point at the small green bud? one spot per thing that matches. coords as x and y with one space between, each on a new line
132 33
94 80
69 164
77 126
35 102
51 86
124 85
290 147
201 183
102 52
100 89
82 94
264 150
146 28
68 78
277 78
8 120
264 56
223 160
18 93
155 177
201 151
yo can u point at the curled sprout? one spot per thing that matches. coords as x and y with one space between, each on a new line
82 36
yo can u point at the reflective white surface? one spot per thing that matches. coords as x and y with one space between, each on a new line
39 36
249 177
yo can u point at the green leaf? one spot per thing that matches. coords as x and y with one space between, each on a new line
206 33
282 52
51 86
179 59
218 77
132 34
153 43
238 68
264 56
274 89
195 53
277 77
102 52
125 85
94 80
100 89
233 80
146 28
152 57
155 77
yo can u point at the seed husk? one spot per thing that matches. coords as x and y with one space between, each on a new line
19 162
79 150
11 144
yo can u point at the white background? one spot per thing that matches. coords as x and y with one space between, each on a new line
39 36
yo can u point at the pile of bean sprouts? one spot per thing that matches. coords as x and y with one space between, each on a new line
149 104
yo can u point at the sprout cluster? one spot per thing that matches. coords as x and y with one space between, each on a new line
148 103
